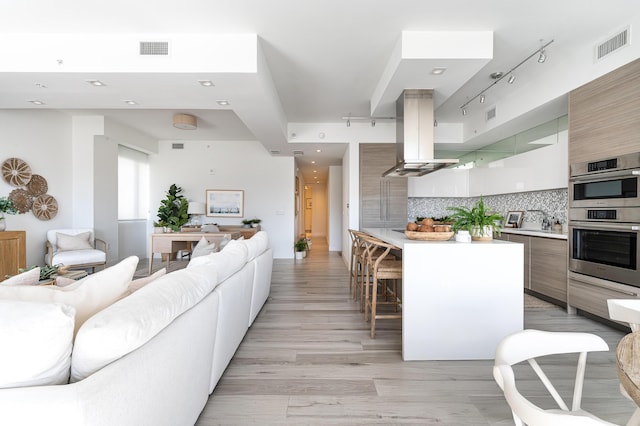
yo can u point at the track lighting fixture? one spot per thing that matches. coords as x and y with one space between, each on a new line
371 120
497 76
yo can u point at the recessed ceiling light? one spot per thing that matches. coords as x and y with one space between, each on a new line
130 102
96 83
36 102
40 86
318 150
206 83
313 162
438 71
223 102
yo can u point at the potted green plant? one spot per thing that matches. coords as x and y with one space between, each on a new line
478 221
247 223
172 213
255 222
301 248
6 206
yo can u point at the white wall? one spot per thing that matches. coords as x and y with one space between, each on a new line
334 237
268 183
319 210
42 138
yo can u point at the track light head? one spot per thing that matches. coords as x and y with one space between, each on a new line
542 57
512 78
464 111
373 123
481 99
348 123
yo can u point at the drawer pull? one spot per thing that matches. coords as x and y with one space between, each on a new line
594 284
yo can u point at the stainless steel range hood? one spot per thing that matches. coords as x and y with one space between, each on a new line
414 135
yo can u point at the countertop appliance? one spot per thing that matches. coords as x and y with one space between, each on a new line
604 219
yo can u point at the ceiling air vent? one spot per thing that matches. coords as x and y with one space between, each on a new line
275 152
177 146
298 153
611 45
154 48
491 114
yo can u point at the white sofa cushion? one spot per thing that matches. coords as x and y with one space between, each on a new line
256 245
30 277
81 241
88 295
203 248
137 284
134 320
226 262
36 343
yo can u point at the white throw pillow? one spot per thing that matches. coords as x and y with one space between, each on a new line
37 339
137 284
88 295
80 241
134 320
203 248
30 277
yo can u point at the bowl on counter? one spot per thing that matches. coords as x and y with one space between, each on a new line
428 236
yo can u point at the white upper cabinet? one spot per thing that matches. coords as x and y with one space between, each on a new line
540 169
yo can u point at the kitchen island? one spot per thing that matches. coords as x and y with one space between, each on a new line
458 299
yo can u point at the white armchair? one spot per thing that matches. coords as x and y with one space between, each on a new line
76 248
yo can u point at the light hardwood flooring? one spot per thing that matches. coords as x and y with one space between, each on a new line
308 360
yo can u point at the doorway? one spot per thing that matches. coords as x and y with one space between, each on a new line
308 211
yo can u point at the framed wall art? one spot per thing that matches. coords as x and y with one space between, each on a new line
225 203
514 219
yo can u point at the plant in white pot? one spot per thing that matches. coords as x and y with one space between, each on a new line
6 206
301 248
478 220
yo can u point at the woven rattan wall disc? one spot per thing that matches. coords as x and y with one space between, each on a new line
16 172
37 186
22 200
45 207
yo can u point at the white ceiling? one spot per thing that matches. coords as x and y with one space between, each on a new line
324 60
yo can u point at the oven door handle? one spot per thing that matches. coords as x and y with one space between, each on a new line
606 226
605 176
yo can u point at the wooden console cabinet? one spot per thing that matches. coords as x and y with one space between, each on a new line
13 252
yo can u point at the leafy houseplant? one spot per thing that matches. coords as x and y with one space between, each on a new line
301 244
172 212
6 206
480 222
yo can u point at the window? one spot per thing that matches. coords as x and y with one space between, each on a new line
133 184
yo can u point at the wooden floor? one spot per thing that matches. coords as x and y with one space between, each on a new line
308 360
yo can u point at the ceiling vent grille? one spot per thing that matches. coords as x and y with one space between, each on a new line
177 146
154 48
298 153
275 152
491 114
611 45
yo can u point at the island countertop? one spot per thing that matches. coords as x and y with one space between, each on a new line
459 300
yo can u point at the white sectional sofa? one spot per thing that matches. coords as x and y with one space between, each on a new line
154 356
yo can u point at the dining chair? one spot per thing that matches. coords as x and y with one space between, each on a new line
528 345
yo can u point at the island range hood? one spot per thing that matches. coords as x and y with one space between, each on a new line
414 135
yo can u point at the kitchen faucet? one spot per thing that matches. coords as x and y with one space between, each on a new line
546 223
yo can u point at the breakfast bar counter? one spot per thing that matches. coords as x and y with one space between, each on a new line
459 299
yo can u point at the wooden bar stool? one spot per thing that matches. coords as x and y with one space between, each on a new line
355 265
369 252
386 272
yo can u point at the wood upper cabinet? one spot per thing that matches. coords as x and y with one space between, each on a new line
604 115
549 267
383 201
13 252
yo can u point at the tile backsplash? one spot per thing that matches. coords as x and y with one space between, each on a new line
552 202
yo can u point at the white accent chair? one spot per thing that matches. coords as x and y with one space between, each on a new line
527 345
89 255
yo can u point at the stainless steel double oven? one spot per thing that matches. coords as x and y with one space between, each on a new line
604 219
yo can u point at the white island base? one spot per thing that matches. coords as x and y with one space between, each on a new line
459 299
